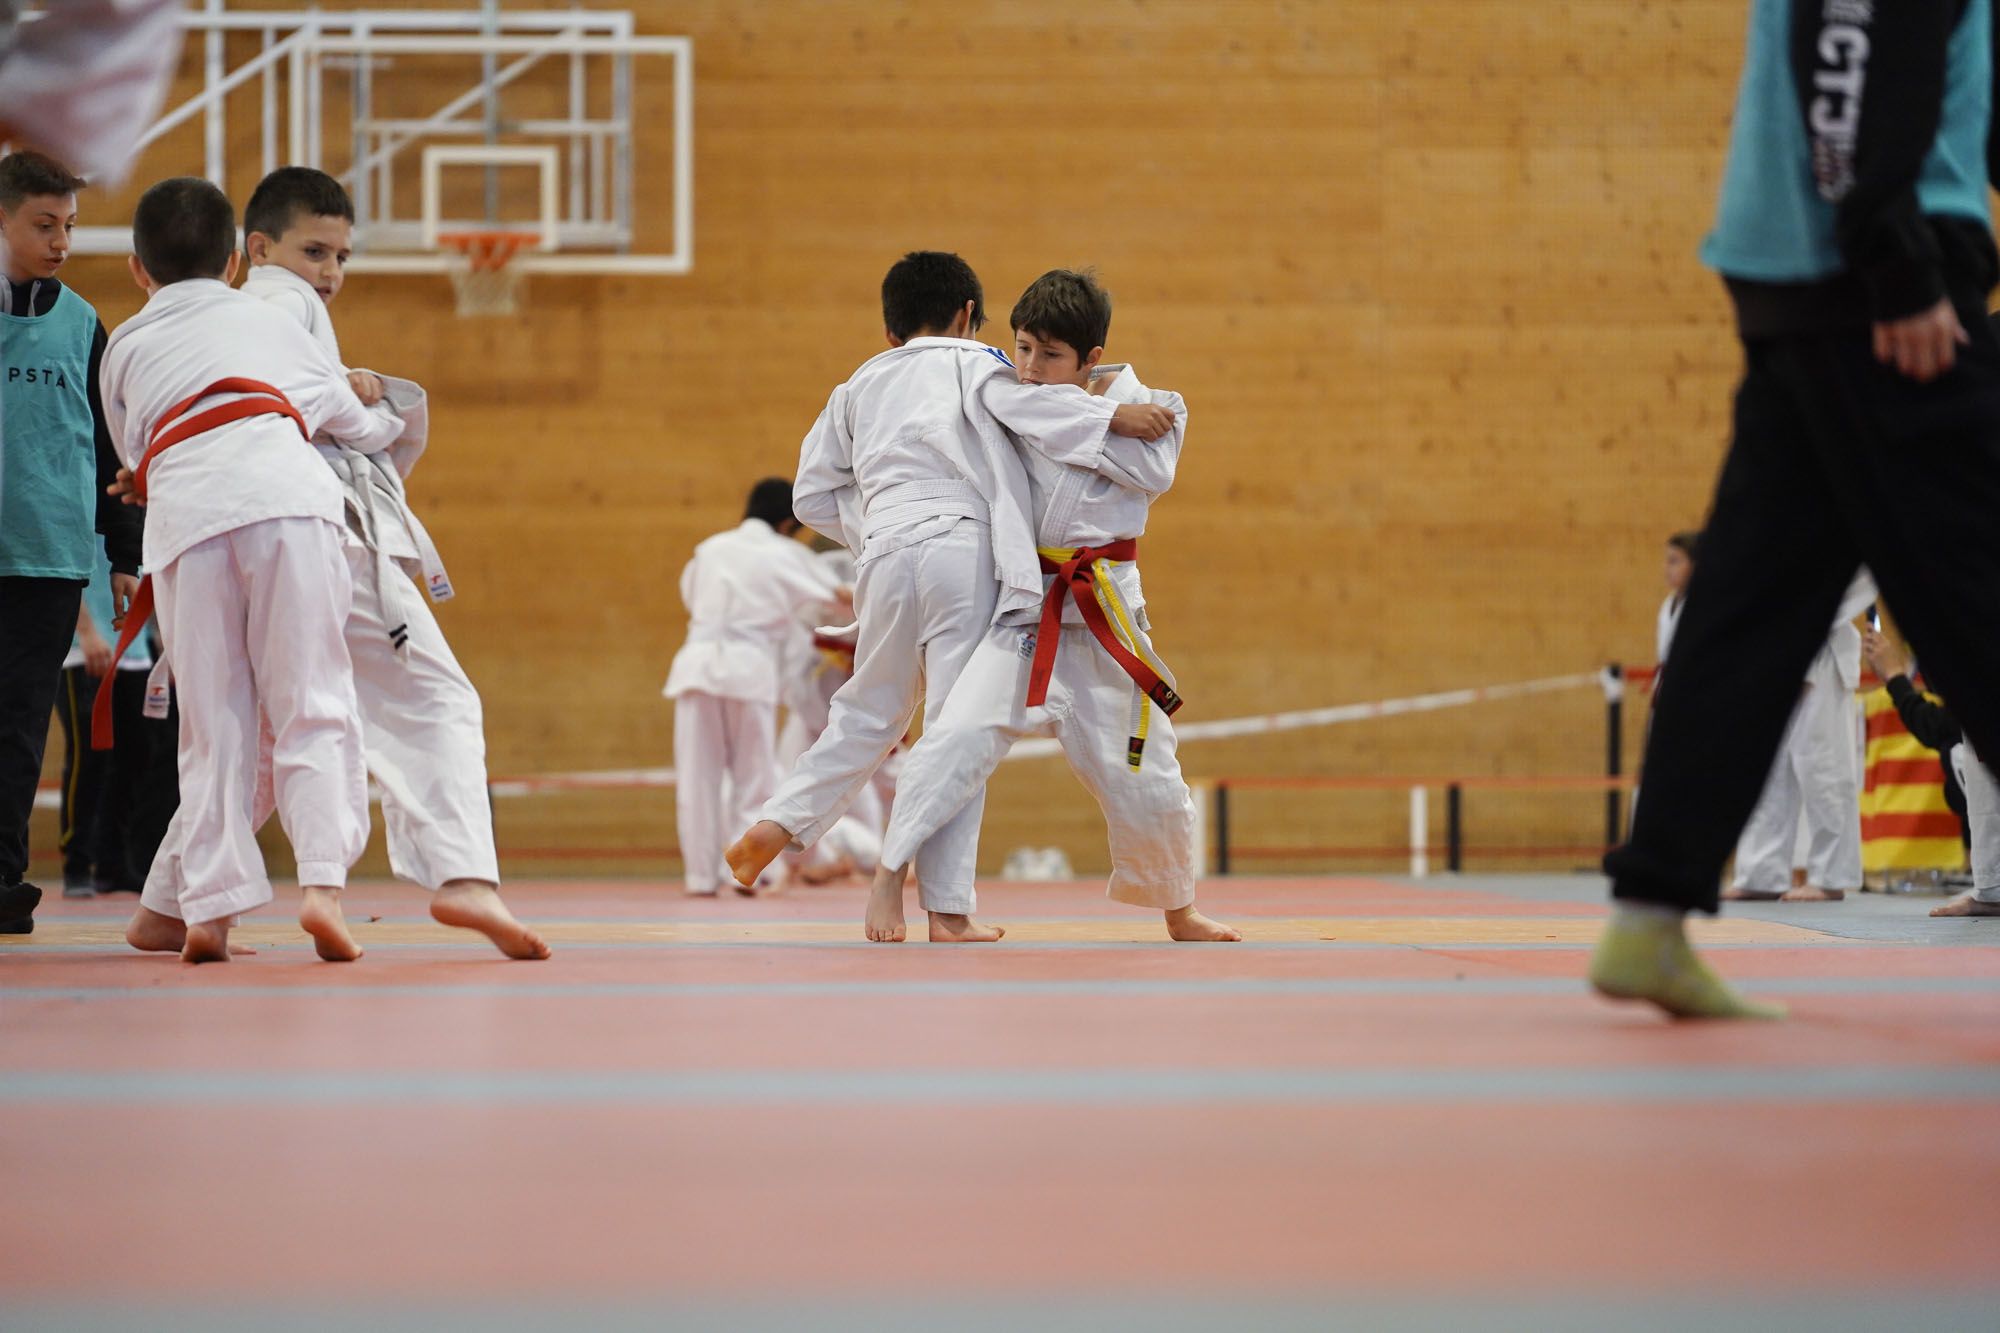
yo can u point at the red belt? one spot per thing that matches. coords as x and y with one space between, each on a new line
176 426
1073 577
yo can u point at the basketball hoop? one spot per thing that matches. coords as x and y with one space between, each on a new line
483 272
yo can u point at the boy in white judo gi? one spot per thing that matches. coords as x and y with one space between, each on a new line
1817 776
913 467
212 397
422 726
745 590
1062 677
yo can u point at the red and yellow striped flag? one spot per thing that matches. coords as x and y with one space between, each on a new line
1905 823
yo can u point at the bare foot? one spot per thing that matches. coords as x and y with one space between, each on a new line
207 942
320 917
885 924
749 854
155 932
951 928
1186 924
478 906
1737 894
1965 904
1811 894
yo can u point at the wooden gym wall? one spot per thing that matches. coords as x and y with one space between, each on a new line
1423 270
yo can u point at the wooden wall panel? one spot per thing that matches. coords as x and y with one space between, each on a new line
1424 272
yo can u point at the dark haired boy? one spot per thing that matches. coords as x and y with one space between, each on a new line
421 720
913 467
1088 673
56 458
211 397
746 591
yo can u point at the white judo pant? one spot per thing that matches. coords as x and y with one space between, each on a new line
923 608
1092 710
423 740
725 768
1982 811
254 620
1817 773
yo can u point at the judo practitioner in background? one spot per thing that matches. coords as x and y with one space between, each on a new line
1088 673
746 591
1817 776
912 466
422 725
212 396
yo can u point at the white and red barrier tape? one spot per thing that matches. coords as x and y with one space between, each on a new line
1041 747
625 779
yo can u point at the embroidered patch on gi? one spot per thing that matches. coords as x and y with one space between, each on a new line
1026 650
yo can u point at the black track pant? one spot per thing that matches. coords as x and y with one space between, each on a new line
101 789
1837 461
37 619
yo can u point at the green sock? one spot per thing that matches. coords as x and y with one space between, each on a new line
1644 955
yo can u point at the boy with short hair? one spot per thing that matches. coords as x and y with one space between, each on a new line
913 467
744 590
57 457
1088 673
211 397
422 730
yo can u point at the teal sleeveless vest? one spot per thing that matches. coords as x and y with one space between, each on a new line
48 501
1772 225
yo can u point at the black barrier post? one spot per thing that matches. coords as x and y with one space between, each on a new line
1221 828
1454 828
1614 752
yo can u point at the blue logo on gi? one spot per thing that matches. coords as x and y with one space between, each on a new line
1027 648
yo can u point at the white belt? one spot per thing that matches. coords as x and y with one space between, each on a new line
375 498
916 500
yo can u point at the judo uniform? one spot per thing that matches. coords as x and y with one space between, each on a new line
1982 812
243 533
84 80
818 660
745 591
912 467
1817 774
1119 743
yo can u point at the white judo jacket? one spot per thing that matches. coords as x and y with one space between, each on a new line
188 336
745 591
379 516
1102 492
921 436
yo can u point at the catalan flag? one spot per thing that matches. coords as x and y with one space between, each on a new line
1905 823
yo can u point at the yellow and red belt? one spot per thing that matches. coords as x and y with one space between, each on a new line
1083 576
176 426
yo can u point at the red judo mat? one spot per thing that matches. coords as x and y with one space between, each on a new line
1394 1105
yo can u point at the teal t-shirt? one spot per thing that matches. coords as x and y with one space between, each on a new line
48 510
1772 224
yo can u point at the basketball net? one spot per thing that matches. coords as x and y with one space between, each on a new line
483 272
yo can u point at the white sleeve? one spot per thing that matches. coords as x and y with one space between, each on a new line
1143 467
824 495
111 392
687 584
1059 421
806 582
83 81
329 405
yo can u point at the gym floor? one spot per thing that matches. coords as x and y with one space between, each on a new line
1393 1106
